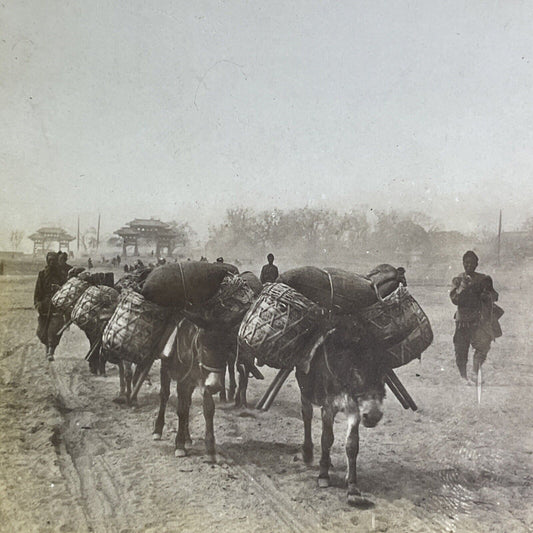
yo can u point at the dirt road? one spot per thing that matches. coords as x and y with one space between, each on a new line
72 460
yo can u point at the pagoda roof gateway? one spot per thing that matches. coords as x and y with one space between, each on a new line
141 226
154 223
51 233
127 231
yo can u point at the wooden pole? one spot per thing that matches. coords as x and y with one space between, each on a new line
98 232
283 374
78 240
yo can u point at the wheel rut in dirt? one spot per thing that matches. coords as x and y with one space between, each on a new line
102 501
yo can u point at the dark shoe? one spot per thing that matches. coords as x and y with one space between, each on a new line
50 357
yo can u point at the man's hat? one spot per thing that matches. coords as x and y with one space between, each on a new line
472 255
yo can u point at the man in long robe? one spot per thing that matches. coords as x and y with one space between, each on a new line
50 320
476 318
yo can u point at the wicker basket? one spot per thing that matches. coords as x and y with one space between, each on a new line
399 323
280 327
95 307
230 303
67 296
135 329
411 347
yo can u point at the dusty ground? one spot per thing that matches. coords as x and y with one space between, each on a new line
72 460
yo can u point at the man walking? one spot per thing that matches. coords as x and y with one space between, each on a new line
269 272
50 321
476 318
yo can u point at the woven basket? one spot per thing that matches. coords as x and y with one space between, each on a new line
135 328
66 297
412 347
94 308
230 303
398 322
280 327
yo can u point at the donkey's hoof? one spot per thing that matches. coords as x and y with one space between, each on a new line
156 436
323 482
307 457
180 452
121 400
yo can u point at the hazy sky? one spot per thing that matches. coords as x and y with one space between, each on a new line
180 109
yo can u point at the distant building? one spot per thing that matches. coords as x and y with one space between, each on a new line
45 239
149 230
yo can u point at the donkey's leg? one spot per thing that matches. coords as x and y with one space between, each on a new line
164 393
223 397
128 375
121 398
240 394
307 417
328 417
352 449
231 373
209 414
184 393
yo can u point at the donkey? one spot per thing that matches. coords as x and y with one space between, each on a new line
195 357
341 377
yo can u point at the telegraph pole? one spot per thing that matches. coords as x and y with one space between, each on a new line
98 232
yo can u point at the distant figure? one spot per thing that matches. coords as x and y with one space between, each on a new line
476 318
138 265
269 272
203 259
89 263
220 259
118 260
63 266
126 267
49 321
1 268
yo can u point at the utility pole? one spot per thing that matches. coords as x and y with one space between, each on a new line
98 232
78 239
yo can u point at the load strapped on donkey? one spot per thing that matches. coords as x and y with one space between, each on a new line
143 326
293 317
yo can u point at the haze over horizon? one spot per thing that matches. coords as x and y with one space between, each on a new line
179 110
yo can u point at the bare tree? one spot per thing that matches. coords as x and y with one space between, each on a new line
16 238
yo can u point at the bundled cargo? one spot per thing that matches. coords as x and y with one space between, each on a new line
229 304
102 278
253 282
398 323
181 285
387 278
135 330
133 280
332 288
280 327
95 307
66 297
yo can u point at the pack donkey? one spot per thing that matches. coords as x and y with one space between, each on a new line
341 377
194 357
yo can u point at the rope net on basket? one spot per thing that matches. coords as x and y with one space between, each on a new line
135 328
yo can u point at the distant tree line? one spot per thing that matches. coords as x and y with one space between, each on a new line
314 233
